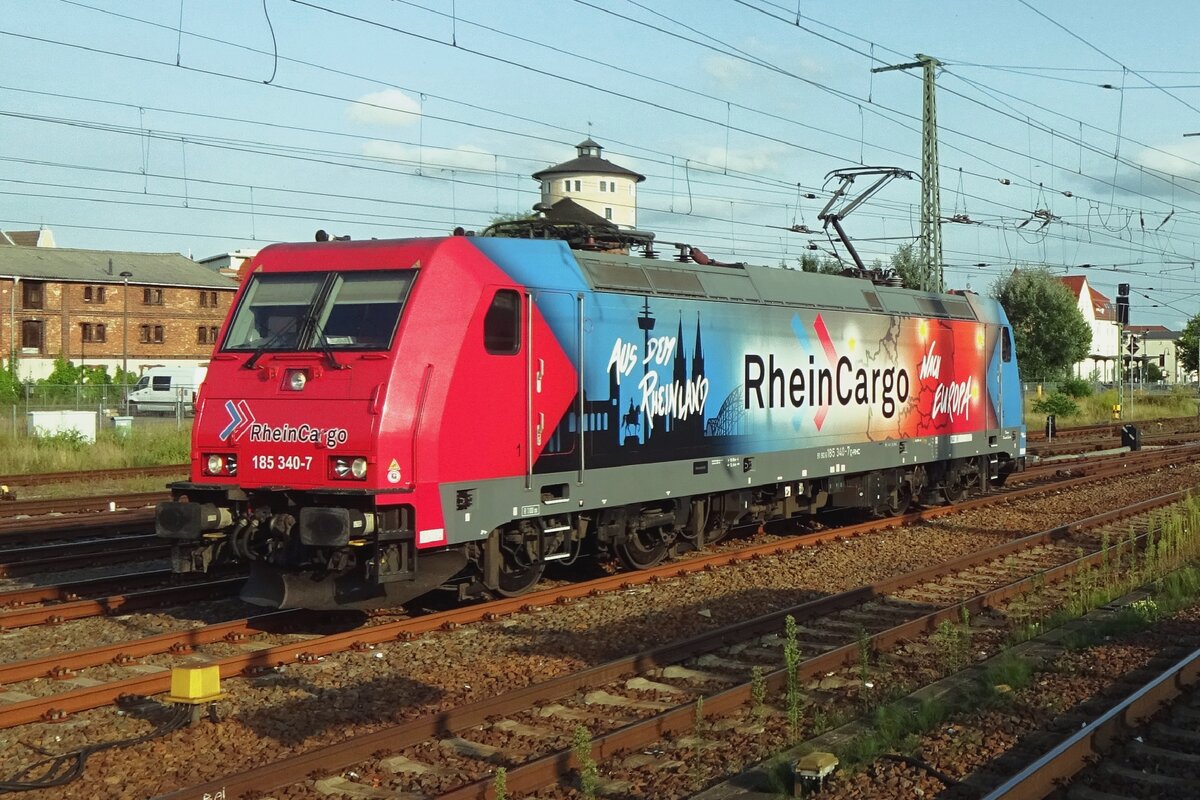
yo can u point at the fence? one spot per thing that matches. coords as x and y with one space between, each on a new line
107 400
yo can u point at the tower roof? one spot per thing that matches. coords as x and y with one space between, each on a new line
588 161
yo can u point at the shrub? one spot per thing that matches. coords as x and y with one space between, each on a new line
1077 388
1057 403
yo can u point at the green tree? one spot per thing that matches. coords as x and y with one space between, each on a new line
907 266
1051 333
10 387
824 266
1189 345
511 216
1154 373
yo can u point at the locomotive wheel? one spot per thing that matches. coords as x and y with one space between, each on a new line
519 580
642 549
958 479
900 500
521 566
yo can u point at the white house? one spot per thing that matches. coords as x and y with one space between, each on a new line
1158 345
606 189
1101 317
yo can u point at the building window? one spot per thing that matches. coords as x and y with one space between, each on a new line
608 213
566 186
206 334
151 334
93 294
152 297
208 299
1162 359
32 295
578 186
93 331
604 186
31 335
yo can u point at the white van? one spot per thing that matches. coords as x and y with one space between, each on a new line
166 390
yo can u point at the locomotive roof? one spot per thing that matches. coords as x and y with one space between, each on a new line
560 268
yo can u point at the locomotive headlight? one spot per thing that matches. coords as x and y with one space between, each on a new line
296 379
215 464
348 468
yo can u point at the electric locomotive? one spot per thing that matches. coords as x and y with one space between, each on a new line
384 418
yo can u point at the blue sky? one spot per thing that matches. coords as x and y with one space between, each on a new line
206 125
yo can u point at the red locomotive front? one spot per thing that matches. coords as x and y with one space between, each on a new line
351 380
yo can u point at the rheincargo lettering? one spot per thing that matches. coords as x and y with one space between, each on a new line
330 437
842 385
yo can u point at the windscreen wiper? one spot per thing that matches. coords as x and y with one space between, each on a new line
265 346
325 347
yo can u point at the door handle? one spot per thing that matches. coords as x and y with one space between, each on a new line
541 372
541 426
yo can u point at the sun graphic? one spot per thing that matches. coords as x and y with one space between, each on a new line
923 329
979 339
974 392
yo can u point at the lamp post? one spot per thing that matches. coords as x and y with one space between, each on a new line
126 275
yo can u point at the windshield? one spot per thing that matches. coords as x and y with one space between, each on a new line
319 310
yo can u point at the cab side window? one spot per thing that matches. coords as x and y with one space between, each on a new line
1006 348
502 324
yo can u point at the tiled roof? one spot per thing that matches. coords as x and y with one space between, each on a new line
105 266
1102 306
1074 282
20 238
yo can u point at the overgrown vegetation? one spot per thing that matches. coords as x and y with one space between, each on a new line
1056 403
1180 401
589 774
69 452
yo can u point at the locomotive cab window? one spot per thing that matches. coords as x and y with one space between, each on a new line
362 309
502 324
318 310
1006 348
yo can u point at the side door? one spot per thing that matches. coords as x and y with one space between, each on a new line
554 321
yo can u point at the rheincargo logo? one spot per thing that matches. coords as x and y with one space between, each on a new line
842 384
330 437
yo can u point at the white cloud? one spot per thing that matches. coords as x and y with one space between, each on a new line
463 157
728 72
389 107
1181 159
762 158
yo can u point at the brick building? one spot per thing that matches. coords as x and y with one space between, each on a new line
96 307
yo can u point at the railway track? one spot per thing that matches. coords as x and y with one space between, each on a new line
91 476
145 590
313 649
654 695
1144 746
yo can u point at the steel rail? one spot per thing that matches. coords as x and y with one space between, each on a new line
91 476
118 604
63 664
81 505
77 560
547 769
1094 740
64 592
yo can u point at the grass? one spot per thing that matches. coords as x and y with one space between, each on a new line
145 446
1180 402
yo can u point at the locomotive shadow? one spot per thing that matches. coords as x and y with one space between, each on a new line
309 708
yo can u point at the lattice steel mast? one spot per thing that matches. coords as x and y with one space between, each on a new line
931 207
